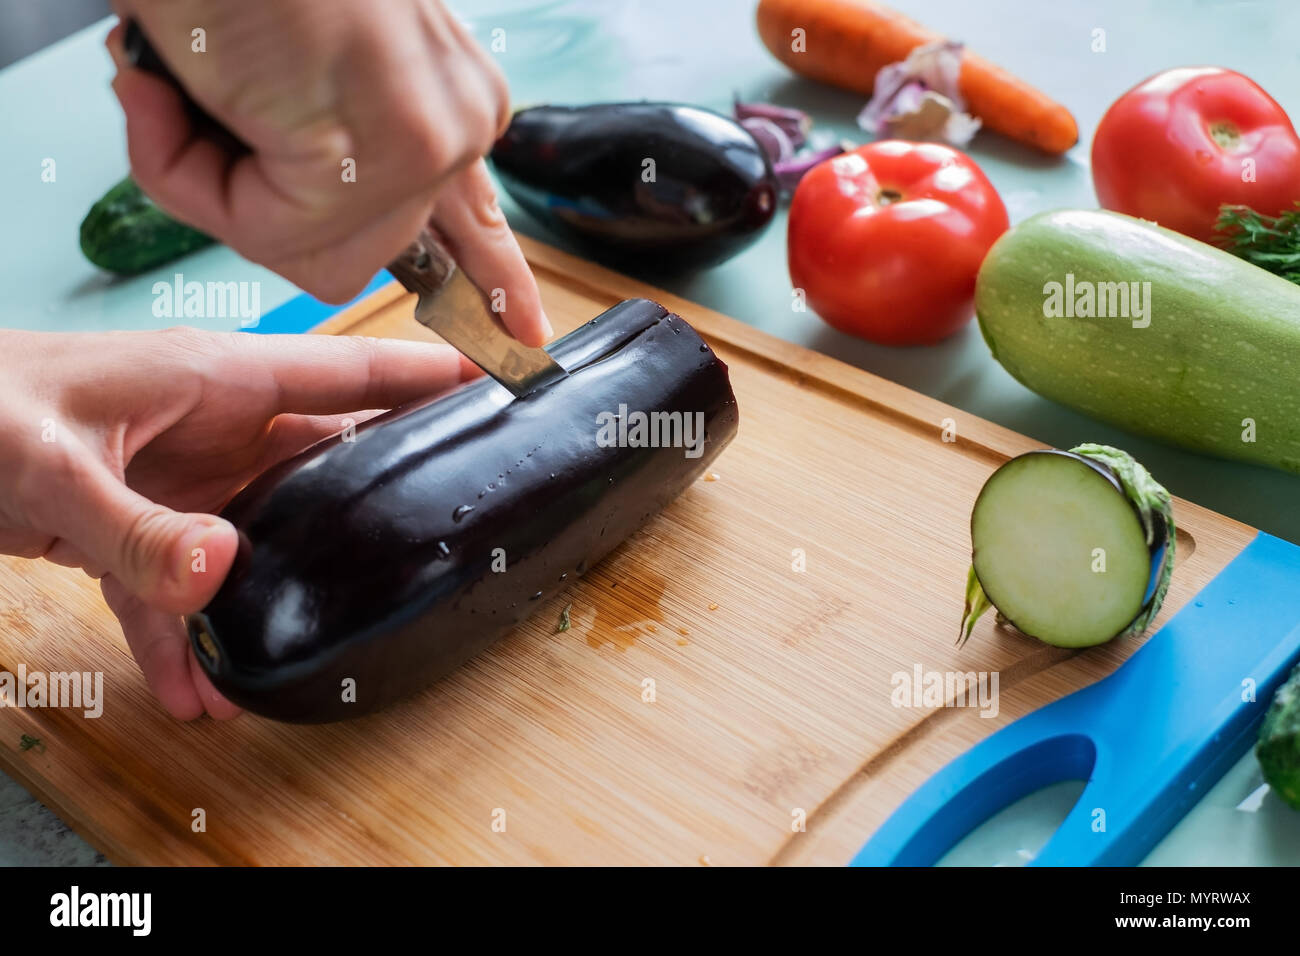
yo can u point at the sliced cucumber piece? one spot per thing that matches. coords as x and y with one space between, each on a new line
1073 548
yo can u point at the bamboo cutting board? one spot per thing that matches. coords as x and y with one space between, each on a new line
727 673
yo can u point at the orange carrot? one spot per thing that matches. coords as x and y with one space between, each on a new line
846 42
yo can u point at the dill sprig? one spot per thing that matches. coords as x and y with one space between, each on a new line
1270 242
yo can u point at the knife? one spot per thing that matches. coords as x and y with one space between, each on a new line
452 305
448 301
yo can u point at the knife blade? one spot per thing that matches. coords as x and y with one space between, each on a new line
450 304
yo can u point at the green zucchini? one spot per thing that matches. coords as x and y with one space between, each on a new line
1278 749
124 232
1206 357
1074 548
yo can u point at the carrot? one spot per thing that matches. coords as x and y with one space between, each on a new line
846 42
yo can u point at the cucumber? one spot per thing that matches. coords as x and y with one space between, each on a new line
1073 548
1211 366
126 233
1278 749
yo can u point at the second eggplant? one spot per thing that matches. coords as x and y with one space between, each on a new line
652 187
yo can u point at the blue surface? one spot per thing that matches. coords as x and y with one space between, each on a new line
304 312
1150 739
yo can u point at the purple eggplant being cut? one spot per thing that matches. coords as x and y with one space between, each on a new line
370 568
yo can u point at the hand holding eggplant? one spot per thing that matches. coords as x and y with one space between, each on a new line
118 448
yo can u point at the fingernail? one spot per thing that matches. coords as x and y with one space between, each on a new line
548 330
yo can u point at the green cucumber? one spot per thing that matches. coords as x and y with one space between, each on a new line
1212 364
124 232
1074 548
1278 749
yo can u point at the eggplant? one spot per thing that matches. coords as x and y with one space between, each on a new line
587 172
370 568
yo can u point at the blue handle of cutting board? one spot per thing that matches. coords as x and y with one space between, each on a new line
1150 739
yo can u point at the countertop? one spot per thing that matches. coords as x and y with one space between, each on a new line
59 106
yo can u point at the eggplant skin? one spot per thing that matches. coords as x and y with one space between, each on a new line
584 171
373 559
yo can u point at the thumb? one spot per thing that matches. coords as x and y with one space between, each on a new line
172 561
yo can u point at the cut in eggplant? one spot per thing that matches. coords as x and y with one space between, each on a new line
1073 548
370 568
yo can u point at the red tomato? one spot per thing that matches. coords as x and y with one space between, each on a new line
1187 140
886 240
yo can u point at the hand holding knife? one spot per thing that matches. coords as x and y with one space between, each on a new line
449 302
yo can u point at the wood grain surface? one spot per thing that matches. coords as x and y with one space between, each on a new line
771 685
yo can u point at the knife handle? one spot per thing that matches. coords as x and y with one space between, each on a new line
141 54
425 266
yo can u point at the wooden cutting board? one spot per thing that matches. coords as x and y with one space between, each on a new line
727 673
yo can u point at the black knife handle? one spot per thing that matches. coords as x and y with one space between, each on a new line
141 55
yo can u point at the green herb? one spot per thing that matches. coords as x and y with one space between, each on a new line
564 619
26 742
1272 243
1278 749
